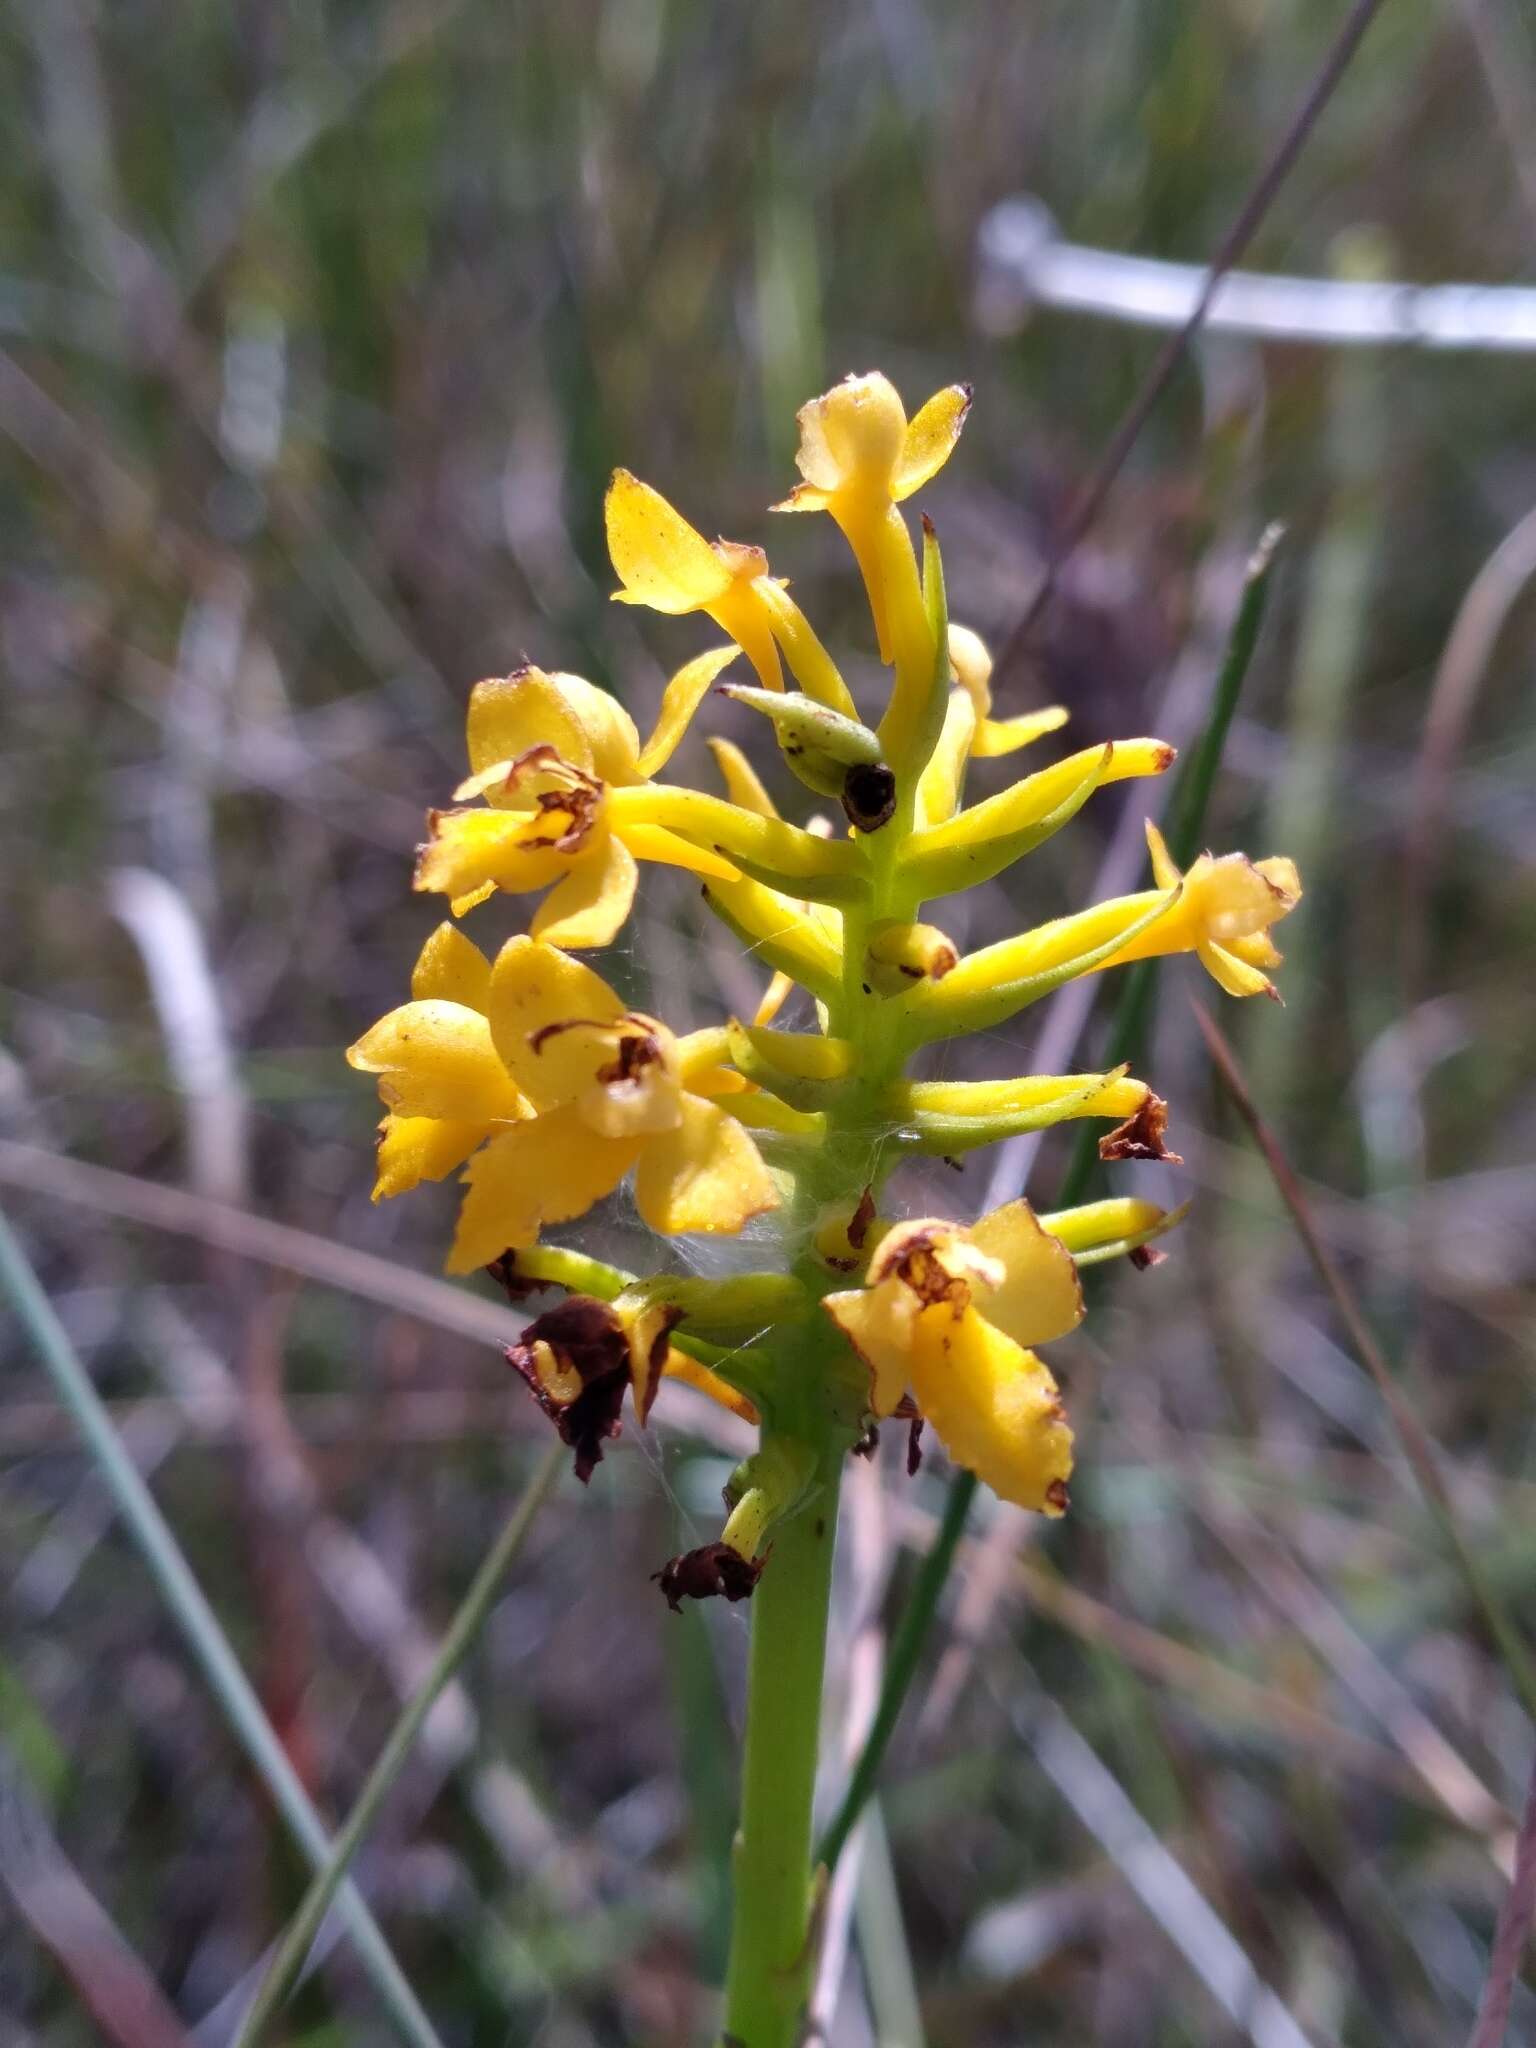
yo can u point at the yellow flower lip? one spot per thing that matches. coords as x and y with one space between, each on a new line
567 792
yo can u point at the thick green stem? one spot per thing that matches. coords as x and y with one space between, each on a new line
771 1944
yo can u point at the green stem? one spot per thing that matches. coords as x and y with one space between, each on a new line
771 1944
1186 822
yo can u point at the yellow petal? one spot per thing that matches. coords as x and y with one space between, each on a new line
879 1323
417 1148
930 439
1230 973
681 698
971 660
437 1059
939 786
1258 950
660 559
532 988
1164 873
609 730
996 736
705 1175
452 967
1041 1296
742 783
995 1407
509 714
1282 877
538 1173
1234 897
853 436
655 842
587 907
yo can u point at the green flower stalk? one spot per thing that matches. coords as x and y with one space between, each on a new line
529 1074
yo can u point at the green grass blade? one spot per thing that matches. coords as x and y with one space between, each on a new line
209 1645
1191 796
456 1645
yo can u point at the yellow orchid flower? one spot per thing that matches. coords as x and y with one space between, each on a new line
439 1074
668 565
1221 911
860 456
1222 914
972 665
546 751
610 1092
947 1317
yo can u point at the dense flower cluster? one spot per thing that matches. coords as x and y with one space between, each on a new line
531 1074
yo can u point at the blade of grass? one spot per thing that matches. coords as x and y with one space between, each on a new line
210 1646
1191 796
1250 216
1511 1934
1184 826
455 1647
1416 1444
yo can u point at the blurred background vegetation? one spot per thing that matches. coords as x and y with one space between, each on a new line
322 327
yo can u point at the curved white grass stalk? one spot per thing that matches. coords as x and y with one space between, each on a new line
1023 262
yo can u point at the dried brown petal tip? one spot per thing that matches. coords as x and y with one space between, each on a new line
1145 1256
914 1446
575 1362
861 1219
518 1288
1141 1135
715 1572
1057 1496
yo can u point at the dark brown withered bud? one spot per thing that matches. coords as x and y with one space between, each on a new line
1141 1135
861 1219
715 1572
869 795
1145 1256
574 1360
